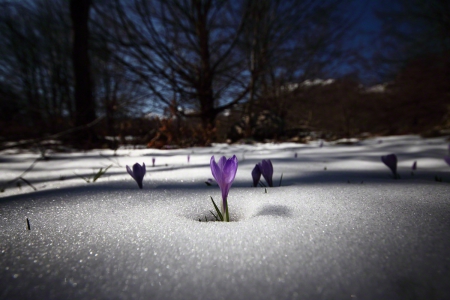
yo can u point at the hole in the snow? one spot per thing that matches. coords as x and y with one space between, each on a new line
207 216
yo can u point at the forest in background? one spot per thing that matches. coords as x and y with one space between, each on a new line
179 73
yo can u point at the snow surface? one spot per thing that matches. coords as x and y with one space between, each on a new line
339 227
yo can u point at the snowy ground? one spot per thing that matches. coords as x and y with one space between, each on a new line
339 227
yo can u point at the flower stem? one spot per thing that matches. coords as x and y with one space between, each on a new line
225 210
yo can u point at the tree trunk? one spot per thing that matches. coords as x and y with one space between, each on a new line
84 102
205 75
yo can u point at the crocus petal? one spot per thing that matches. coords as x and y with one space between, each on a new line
216 171
267 171
224 173
256 175
270 166
230 169
138 170
390 161
222 162
130 172
225 189
137 173
228 175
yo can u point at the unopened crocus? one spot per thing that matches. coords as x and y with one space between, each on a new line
153 161
189 158
224 173
267 171
256 175
137 173
391 161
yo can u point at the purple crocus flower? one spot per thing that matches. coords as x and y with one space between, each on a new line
224 173
153 161
414 165
391 161
267 171
256 175
188 158
137 173
447 159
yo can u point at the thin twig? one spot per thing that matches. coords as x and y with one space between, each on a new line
20 177
53 136
110 159
26 171
29 183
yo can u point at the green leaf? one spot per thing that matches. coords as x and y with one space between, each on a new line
281 178
100 173
217 209
215 217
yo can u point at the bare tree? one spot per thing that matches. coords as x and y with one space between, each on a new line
84 102
117 94
184 51
415 54
286 42
35 42
37 81
411 29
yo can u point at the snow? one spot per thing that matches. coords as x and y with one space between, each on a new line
378 88
347 232
317 81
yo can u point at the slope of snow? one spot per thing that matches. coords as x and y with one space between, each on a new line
349 231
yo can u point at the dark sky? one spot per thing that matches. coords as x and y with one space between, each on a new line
367 29
368 20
